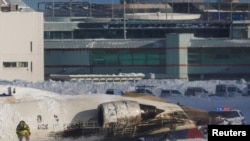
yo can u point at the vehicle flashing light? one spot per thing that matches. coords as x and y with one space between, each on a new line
223 109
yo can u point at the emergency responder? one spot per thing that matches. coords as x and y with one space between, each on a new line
23 131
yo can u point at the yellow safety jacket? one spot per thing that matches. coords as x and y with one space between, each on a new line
22 129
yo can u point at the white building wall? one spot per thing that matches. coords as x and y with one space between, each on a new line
21 40
177 55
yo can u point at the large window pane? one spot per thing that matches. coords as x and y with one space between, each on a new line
97 57
111 57
153 57
139 58
125 57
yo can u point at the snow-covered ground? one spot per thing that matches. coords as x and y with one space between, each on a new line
48 93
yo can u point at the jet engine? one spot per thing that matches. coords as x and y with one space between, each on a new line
120 114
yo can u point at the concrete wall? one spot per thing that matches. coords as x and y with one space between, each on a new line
21 40
177 45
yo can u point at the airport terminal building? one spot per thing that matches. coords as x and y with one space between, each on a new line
21 38
217 48
178 56
84 46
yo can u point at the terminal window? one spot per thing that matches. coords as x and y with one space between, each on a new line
15 64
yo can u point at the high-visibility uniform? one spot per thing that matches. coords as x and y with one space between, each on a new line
23 131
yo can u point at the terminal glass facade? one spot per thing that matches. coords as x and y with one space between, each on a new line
219 56
128 57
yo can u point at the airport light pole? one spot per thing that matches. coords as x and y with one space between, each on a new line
166 11
70 8
90 9
208 7
172 9
53 8
133 10
124 20
231 11
219 6
112 9
248 15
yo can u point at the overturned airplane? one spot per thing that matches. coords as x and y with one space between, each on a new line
130 117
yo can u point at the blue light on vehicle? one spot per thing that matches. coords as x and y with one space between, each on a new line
219 109
223 109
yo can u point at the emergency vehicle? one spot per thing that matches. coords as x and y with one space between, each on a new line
228 116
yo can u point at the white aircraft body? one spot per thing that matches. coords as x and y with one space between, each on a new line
105 117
